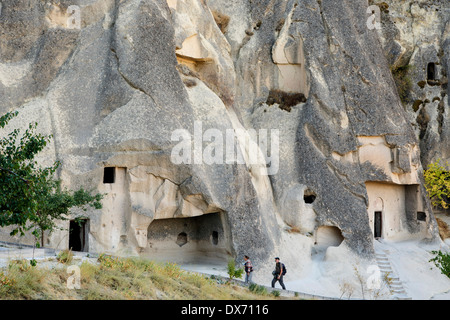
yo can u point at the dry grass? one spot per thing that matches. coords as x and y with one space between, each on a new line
444 229
116 279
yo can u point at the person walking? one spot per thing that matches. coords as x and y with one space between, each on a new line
278 274
248 269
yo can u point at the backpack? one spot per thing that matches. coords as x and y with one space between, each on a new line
283 272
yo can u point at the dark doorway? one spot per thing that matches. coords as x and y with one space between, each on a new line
377 224
431 71
78 235
215 238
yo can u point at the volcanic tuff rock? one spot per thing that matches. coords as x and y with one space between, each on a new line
114 91
416 37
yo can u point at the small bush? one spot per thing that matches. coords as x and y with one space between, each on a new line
21 265
65 256
437 184
232 271
403 82
285 100
258 289
442 261
5 281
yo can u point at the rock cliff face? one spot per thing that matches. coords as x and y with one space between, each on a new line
121 84
415 36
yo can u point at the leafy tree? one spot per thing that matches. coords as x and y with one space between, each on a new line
232 271
30 196
437 184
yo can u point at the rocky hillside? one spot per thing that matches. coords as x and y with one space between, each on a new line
415 39
346 113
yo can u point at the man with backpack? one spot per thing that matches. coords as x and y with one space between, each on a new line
278 273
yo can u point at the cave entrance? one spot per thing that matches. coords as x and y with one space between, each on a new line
201 239
309 196
327 236
78 235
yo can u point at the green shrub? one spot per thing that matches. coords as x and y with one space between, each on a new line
22 265
442 261
232 271
65 256
258 289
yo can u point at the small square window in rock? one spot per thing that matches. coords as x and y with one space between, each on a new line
181 239
109 174
421 216
309 196
431 71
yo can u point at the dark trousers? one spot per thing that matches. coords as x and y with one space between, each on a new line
280 280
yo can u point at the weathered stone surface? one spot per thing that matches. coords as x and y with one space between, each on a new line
114 91
415 34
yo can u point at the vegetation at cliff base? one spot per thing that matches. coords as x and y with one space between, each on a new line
232 271
113 278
